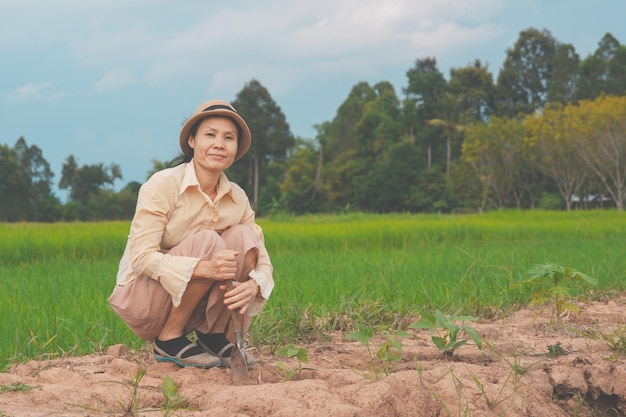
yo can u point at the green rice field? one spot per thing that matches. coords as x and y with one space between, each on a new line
331 272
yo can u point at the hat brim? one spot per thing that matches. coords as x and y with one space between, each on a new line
243 143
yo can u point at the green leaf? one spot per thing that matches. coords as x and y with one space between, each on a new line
427 321
474 335
457 345
290 351
361 336
440 342
589 280
302 355
442 319
422 324
170 389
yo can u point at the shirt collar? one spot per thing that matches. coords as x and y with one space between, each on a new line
190 179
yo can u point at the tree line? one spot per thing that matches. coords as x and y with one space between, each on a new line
549 132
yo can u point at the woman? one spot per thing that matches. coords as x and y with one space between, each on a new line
192 232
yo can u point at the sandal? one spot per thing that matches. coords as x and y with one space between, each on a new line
199 360
225 360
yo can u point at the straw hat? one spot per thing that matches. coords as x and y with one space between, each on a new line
216 108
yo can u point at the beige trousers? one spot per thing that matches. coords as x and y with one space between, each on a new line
144 305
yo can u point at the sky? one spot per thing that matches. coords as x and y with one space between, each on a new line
112 81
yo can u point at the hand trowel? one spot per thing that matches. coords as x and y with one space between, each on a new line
238 360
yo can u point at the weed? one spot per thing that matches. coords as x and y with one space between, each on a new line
550 282
500 396
291 351
458 387
173 398
384 355
131 406
556 350
616 340
445 333
517 369
581 407
16 386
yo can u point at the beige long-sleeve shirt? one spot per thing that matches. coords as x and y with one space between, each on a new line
171 206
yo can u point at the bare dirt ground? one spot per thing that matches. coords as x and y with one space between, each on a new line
533 369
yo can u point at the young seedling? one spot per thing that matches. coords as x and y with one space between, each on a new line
386 354
290 351
131 406
552 284
616 341
556 350
445 333
173 399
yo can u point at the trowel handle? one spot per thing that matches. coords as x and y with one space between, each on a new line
236 317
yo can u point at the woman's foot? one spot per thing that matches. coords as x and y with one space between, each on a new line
216 344
183 352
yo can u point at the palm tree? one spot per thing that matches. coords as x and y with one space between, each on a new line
452 116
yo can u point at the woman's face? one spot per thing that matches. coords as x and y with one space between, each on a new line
215 143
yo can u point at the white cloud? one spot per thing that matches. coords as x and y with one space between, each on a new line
288 40
36 92
119 77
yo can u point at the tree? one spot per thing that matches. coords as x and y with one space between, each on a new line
565 76
475 84
38 170
380 124
465 188
553 134
450 121
388 184
157 166
339 136
25 186
378 129
322 138
603 144
367 123
604 71
86 181
271 137
298 188
524 79
425 85
501 160
12 185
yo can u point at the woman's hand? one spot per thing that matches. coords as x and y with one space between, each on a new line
241 295
220 267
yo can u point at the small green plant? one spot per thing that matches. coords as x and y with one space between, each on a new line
458 387
131 407
616 340
501 395
552 283
290 351
445 333
16 386
173 398
556 350
384 355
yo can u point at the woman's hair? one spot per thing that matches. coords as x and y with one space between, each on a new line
182 158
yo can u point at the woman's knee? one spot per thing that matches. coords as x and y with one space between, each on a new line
238 235
200 244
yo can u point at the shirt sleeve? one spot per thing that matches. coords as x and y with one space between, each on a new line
154 203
